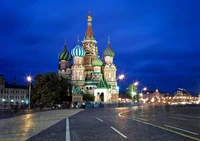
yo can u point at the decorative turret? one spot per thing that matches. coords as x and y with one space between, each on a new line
78 51
108 53
78 75
97 62
64 58
65 54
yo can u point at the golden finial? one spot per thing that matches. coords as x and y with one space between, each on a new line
109 39
65 41
78 38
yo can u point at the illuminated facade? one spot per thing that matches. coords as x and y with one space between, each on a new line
88 72
181 96
12 94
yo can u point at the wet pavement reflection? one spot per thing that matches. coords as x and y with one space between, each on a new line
20 128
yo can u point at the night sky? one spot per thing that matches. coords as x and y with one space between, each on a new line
156 42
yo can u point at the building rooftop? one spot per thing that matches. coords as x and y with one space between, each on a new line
16 86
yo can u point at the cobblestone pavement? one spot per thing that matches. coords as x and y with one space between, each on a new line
20 128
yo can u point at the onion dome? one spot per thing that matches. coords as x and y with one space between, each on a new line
65 54
109 51
97 62
69 64
78 51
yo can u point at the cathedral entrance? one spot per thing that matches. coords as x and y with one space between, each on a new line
102 97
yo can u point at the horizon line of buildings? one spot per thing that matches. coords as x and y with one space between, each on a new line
180 97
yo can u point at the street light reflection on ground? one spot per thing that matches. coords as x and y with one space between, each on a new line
27 125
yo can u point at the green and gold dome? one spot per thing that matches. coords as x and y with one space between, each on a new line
109 51
65 55
97 62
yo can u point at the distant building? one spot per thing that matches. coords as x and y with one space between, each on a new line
12 94
154 96
181 93
182 96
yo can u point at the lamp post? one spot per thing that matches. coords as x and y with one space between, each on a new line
29 94
121 77
144 89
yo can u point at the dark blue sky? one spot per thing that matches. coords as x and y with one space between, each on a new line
156 42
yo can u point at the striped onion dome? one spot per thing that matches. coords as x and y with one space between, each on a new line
65 55
78 51
109 51
97 62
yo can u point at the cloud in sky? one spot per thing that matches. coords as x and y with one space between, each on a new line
156 42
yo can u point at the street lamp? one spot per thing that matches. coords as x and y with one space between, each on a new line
145 88
121 76
136 83
29 96
141 94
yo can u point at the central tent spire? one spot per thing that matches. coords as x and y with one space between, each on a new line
89 32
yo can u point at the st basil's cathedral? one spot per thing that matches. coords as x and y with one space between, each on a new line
86 71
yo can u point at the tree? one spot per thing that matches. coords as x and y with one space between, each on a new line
49 89
88 97
132 88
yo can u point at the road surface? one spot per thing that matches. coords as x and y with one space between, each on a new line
105 124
